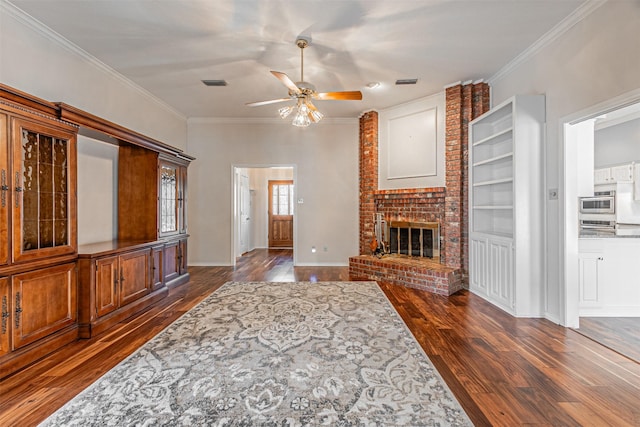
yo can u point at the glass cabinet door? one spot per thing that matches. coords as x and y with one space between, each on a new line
43 191
172 188
169 198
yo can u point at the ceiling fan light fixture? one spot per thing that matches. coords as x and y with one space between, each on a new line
285 111
315 116
301 119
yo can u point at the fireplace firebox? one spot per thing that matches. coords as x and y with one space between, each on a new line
416 239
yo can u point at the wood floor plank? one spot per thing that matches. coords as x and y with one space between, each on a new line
504 371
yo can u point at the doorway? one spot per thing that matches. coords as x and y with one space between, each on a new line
280 213
590 268
250 206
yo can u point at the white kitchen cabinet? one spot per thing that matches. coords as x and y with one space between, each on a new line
602 176
614 174
506 198
609 276
590 279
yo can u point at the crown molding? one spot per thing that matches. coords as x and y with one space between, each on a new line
32 23
556 32
268 120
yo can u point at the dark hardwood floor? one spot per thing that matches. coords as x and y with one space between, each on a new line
504 371
621 334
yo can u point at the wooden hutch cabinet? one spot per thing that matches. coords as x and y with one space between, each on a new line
53 292
122 277
38 225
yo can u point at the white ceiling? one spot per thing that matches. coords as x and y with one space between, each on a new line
168 46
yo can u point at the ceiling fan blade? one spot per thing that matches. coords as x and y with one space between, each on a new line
354 95
287 82
271 101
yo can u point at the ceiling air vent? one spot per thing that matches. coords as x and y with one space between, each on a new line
406 81
215 82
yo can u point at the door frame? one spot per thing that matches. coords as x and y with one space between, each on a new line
235 217
568 291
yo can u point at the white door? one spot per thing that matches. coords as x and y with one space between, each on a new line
245 212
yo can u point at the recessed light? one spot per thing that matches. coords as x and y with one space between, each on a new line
215 82
373 85
406 81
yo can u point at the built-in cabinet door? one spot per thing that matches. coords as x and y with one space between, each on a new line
171 260
135 280
590 271
44 191
501 285
478 265
157 278
182 257
44 302
107 279
5 191
5 319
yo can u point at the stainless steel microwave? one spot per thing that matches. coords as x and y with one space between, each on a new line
602 202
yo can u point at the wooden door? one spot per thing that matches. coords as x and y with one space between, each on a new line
182 257
107 279
44 301
134 276
171 261
5 316
281 214
44 191
157 278
5 192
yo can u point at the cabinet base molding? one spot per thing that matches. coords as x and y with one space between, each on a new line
180 280
88 330
23 357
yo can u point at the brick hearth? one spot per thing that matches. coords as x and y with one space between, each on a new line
416 273
447 206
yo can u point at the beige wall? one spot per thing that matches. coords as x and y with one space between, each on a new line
37 61
594 61
326 160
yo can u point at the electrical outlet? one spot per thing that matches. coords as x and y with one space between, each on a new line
313 249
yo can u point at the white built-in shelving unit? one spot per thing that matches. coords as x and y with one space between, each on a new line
507 205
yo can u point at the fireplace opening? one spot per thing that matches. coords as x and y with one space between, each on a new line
416 239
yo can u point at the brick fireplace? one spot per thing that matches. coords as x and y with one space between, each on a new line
446 206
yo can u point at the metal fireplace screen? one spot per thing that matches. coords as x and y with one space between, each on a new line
418 239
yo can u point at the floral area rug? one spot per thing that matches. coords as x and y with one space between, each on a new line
275 354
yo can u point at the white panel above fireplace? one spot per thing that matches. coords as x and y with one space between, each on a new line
411 144
412 148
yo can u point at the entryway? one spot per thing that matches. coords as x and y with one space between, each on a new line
263 208
601 297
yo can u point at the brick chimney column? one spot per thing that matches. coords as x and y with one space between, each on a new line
368 177
463 104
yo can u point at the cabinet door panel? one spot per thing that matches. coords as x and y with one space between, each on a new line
106 285
134 276
157 278
5 193
501 284
182 256
589 274
171 261
45 301
5 316
44 191
478 265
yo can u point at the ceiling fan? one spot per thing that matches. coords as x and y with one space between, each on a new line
303 92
